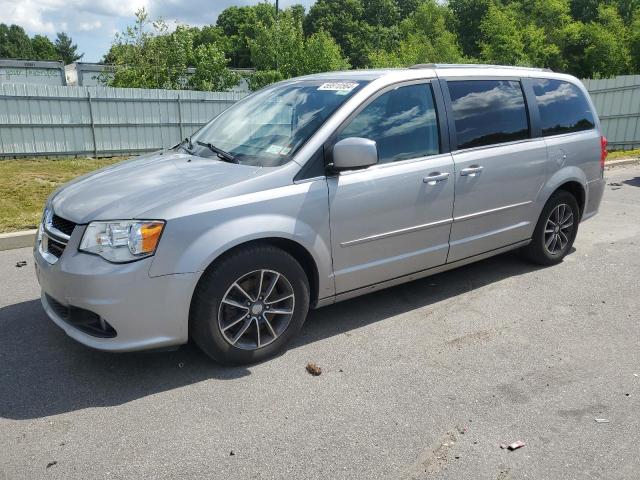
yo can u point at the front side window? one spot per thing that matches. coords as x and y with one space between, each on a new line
563 107
267 128
402 122
487 112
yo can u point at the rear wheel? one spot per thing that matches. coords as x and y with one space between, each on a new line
555 231
250 305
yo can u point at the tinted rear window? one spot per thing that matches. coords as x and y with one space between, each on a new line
563 107
488 112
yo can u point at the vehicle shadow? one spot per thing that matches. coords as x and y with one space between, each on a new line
46 373
634 182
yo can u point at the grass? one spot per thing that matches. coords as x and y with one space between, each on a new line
25 184
618 154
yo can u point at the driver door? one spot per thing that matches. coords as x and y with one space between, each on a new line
393 218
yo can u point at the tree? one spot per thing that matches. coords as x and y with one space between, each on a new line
149 56
381 12
322 54
282 47
407 7
66 49
541 23
425 39
634 42
43 48
14 42
468 16
344 21
540 51
144 59
239 25
211 70
502 40
585 10
263 78
607 52
588 10
628 9
279 46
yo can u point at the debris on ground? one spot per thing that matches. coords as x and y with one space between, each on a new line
231 453
462 430
21 263
512 446
615 184
601 420
181 364
51 464
313 369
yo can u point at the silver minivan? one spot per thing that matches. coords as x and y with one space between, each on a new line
315 190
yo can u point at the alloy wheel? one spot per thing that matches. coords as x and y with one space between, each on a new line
558 229
256 309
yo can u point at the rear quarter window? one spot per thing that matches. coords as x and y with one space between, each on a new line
563 107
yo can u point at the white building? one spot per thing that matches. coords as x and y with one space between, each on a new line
27 71
82 74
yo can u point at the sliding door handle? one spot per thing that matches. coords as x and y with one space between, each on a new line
471 171
436 178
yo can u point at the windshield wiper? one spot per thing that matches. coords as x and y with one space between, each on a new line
188 147
218 151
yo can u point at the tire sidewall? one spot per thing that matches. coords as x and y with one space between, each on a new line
208 334
557 199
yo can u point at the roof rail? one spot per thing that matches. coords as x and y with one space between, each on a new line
475 65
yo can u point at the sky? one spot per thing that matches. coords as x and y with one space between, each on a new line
93 23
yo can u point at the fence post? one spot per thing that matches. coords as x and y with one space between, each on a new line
93 126
180 118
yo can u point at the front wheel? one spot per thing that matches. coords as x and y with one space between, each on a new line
555 231
250 305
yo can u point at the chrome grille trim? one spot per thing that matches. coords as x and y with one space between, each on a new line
50 229
57 240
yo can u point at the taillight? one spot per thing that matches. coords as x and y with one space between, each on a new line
603 150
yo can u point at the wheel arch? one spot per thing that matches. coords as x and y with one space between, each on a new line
577 190
300 253
570 179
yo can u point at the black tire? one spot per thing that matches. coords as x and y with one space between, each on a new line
538 251
206 306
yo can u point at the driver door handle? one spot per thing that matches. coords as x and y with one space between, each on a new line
435 178
471 171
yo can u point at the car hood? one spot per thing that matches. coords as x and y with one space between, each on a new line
128 189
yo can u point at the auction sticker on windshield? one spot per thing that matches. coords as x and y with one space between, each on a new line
338 86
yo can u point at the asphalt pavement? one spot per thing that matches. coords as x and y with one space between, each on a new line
422 381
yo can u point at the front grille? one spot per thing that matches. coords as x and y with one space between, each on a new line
55 248
84 320
65 226
57 230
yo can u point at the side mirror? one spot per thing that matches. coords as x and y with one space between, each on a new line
354 152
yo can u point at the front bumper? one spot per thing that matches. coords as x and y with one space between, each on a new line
146 312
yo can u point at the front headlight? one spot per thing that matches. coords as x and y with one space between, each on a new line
122 240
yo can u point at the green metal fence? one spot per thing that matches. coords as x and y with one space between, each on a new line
617 101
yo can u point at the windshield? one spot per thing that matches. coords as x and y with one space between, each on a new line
267 128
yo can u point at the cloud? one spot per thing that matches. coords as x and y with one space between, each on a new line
90 26
504 96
